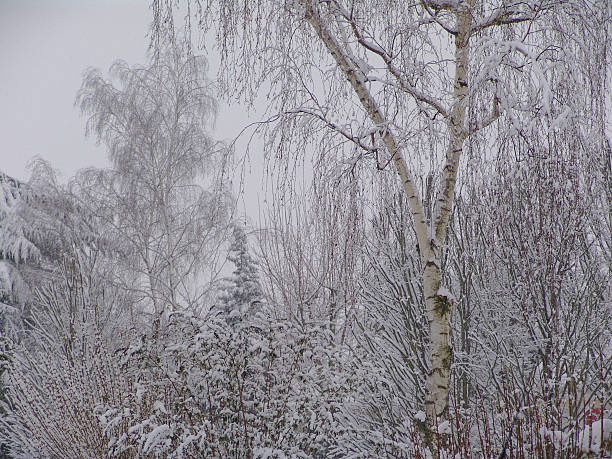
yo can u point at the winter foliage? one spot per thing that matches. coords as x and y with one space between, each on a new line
241 292
462 312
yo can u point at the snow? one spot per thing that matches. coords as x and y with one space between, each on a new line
156 436
159 406
444 292
266 452
363 66
6 278
7 308
590 439
444 428
140 391
331 349
558 437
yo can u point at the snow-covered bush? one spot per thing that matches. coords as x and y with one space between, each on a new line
203 388
52 398
251 387
62 369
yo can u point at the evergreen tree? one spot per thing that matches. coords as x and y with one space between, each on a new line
242 290
15 250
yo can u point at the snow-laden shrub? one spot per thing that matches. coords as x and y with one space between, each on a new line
200 388
203 388
52 397
62 364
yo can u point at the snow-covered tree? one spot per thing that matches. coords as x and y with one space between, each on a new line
412 85
61 374
73 309
16 249
165 196
241 292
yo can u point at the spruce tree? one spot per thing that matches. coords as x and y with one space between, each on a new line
241 292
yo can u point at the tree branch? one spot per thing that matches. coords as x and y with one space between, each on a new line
357 140
434 15
374 48
441 4
493 116
355 78
501 16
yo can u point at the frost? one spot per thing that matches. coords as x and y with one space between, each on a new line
420 416
444 428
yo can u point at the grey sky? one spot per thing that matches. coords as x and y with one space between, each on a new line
45 45
44 48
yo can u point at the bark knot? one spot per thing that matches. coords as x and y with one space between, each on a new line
443 305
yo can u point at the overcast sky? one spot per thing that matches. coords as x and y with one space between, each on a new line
45 45
44 48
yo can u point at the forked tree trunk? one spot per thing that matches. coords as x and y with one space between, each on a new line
430 235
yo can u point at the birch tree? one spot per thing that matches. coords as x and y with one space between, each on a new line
165 196
406 85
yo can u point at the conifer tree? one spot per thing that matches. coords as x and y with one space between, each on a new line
242 290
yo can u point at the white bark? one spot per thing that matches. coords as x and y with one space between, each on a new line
438 307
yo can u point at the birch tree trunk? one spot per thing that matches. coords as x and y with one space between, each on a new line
430 235
438 304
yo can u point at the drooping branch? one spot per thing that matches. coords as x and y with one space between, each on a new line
404 84
356 79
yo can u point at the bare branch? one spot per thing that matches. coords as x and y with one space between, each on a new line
403 83
354 75
357 140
